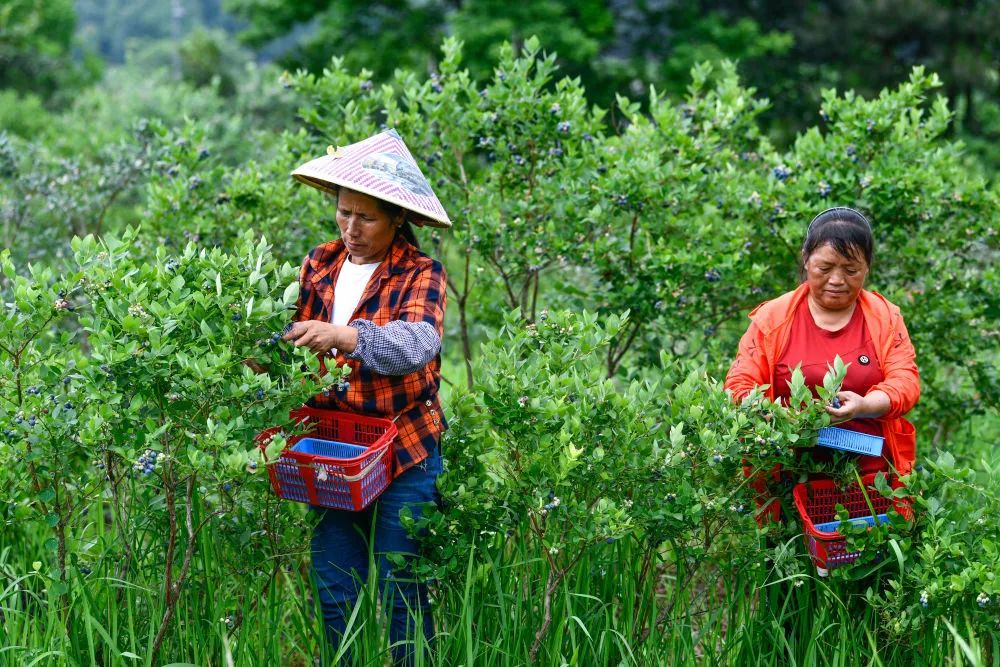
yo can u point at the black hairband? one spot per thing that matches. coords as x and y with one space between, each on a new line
838 208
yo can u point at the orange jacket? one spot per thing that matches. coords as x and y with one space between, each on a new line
767 337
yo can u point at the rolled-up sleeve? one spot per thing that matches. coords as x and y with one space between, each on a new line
902 379
409 343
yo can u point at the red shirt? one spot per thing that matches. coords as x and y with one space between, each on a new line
815 349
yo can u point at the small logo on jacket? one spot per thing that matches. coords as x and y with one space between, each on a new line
864 360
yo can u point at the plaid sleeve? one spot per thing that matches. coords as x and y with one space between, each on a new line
398 348
424 300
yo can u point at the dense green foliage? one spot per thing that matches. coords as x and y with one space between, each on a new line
601 265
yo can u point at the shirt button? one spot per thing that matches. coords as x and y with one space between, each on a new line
437 421
433 412
429 403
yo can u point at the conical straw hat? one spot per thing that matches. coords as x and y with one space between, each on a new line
382 167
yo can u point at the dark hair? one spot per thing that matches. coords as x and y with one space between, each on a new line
393 211
845 230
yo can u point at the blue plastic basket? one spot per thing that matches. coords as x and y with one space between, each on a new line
833 526
850 441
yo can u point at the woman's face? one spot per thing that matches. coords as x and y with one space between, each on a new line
366 229
834 280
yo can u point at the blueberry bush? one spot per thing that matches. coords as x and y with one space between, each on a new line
598 503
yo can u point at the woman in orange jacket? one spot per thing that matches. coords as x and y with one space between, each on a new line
831 314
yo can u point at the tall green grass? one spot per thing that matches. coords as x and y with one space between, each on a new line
611 612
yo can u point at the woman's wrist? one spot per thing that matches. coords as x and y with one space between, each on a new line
346 338
875 404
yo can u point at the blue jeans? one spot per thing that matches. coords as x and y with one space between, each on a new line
340 559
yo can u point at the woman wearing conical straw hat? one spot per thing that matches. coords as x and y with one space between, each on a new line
373 301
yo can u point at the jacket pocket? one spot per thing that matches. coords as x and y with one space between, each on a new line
902 444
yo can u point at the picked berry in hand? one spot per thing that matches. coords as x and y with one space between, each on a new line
835 403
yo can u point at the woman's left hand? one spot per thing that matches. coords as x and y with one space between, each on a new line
856 406
321 337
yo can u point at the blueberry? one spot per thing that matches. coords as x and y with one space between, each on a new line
365 85
564 126
717 458
870 125
84 570
237 317
823 116
288 327
203 153
713 275
610 540
194 183
587 136
781 172
835 402
260 394
824 188
227 487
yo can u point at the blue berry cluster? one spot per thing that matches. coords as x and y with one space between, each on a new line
781 172
146 463
713 276
824 188
835 402
564 126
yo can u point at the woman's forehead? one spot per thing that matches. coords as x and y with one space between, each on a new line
828 253
354 200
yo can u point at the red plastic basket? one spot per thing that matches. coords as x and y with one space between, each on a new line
340 483
816 502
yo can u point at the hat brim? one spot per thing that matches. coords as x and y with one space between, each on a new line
326 184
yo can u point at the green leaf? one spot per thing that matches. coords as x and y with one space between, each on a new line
47 495
291 294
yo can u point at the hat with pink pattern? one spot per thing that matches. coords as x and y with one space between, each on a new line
380 166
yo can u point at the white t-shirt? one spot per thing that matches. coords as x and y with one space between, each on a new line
350 286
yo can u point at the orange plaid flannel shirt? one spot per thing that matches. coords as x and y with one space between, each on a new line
407 286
